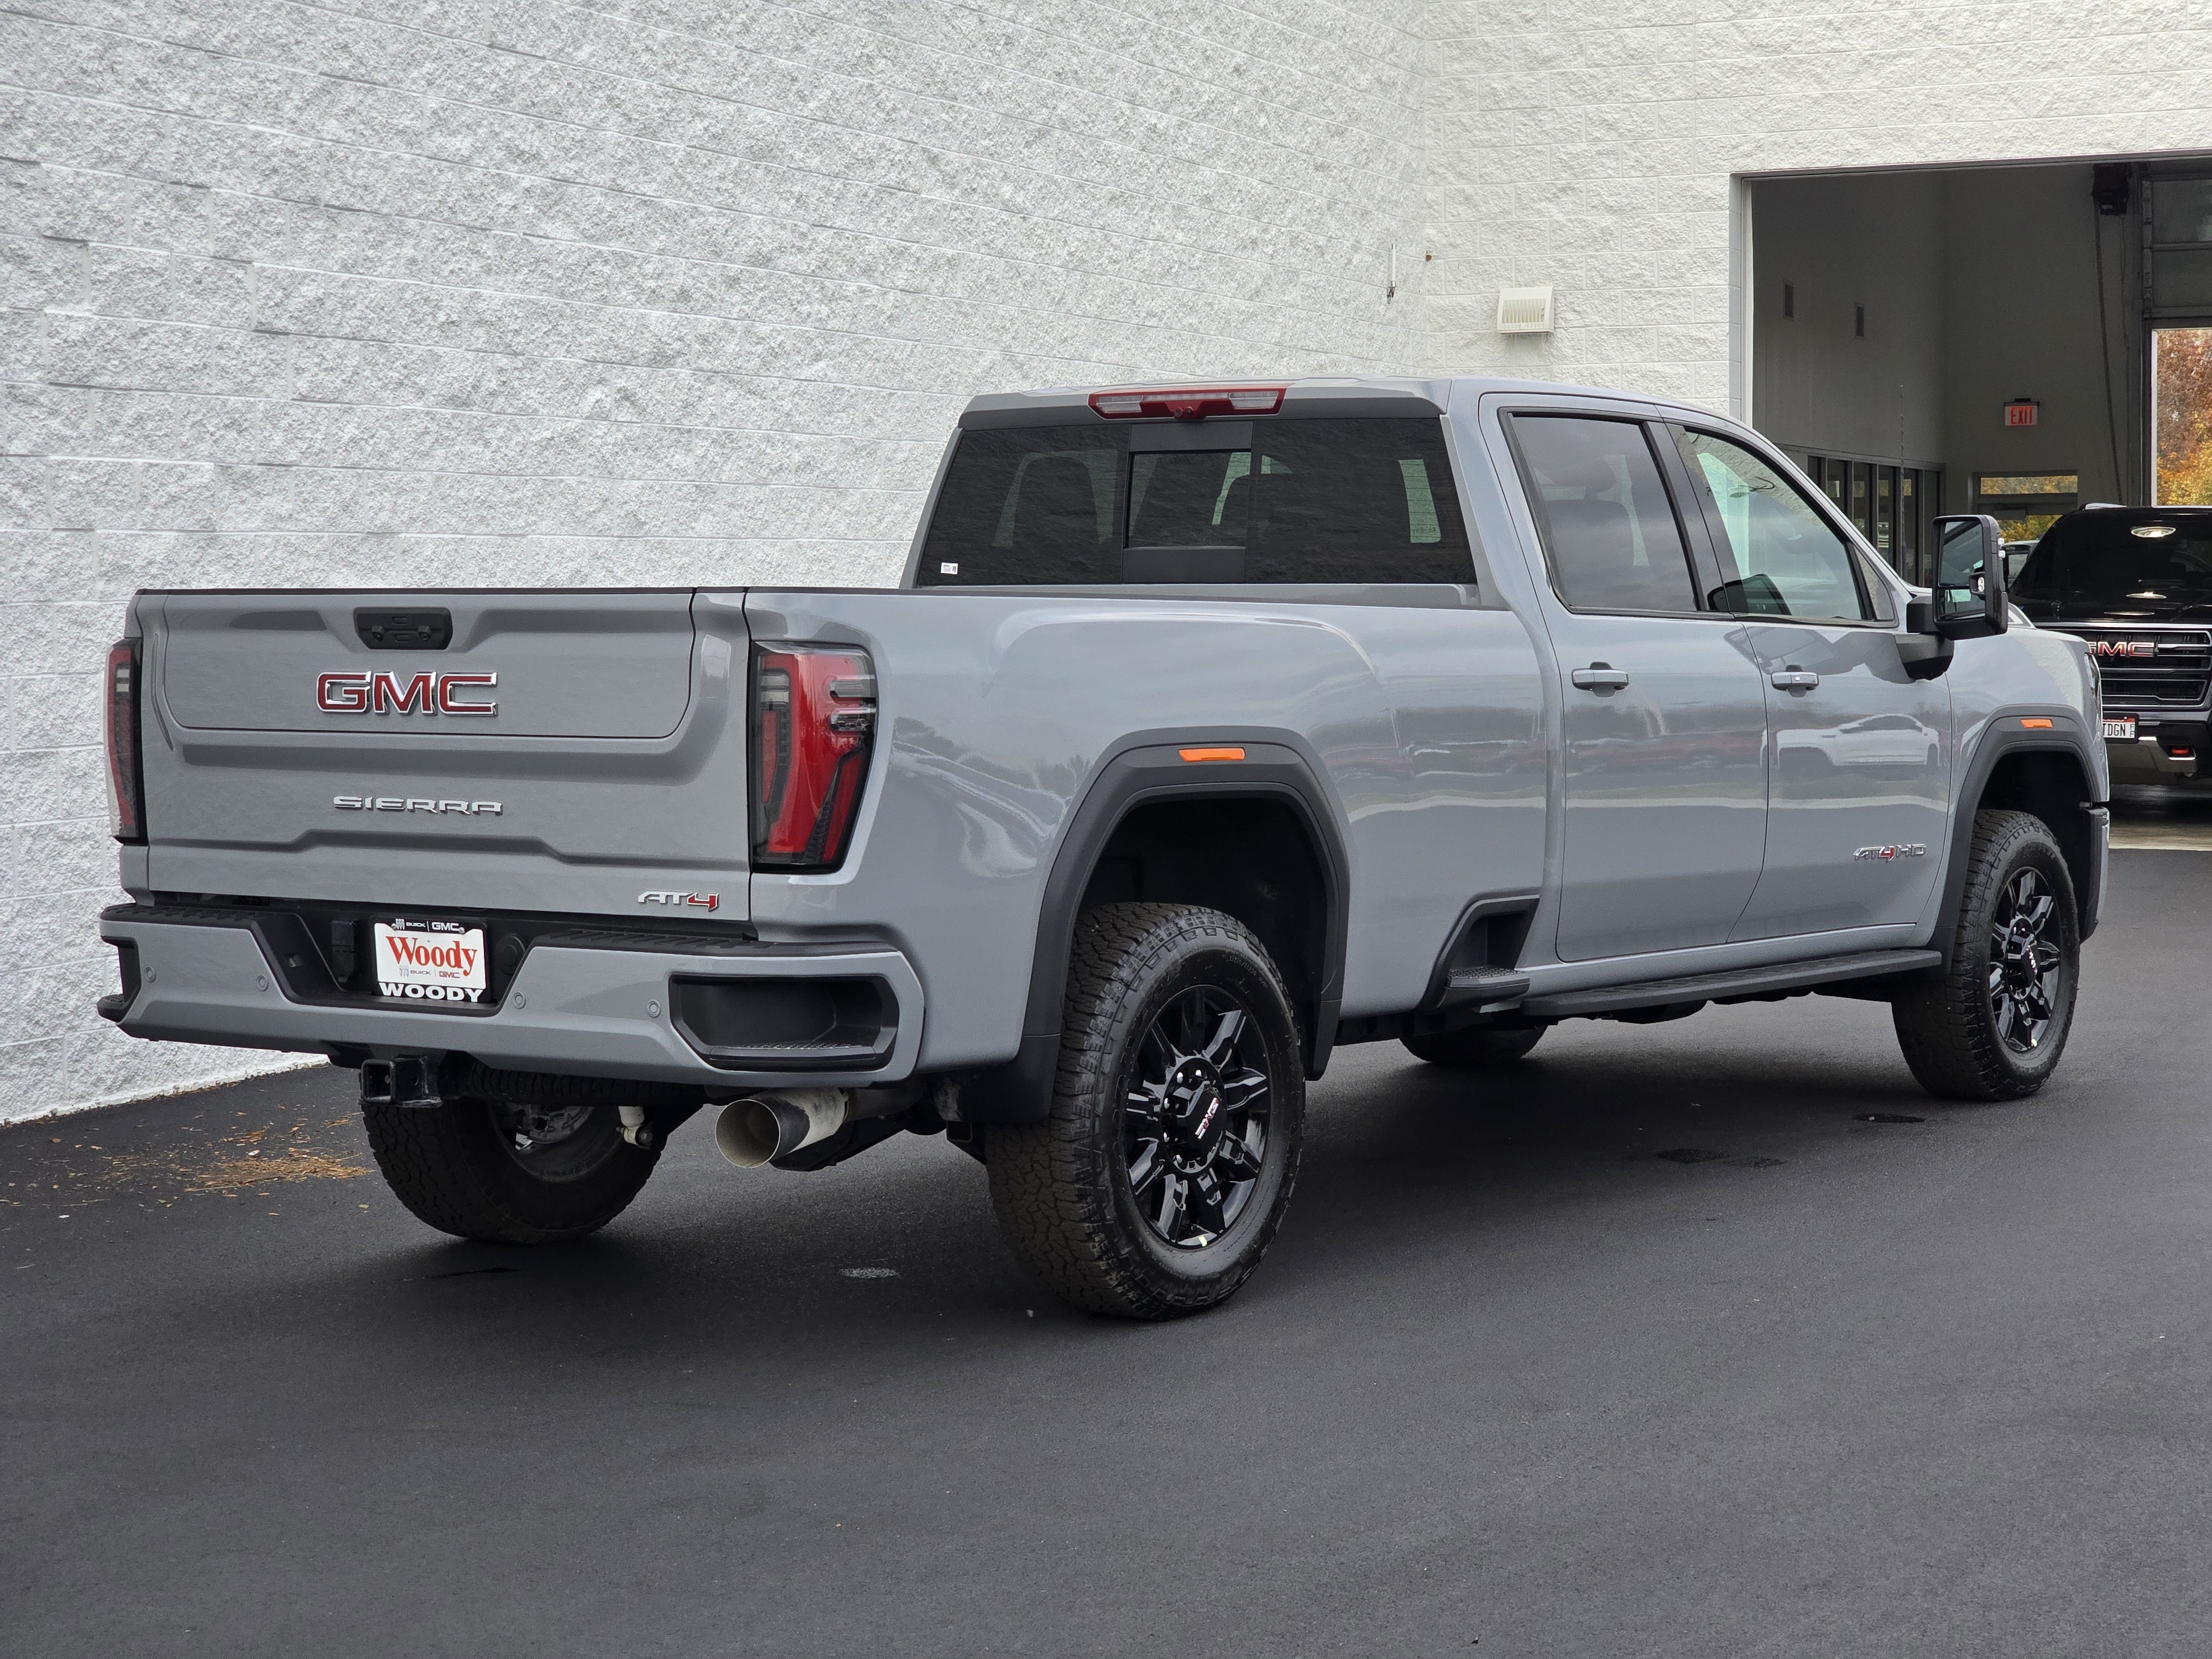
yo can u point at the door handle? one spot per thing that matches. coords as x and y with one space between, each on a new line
1600 677
1794 678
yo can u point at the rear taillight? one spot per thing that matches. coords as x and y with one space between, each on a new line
126 792
814 720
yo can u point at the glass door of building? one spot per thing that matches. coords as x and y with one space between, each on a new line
1891 503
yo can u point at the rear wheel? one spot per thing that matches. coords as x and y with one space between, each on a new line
1476 1045
1994 1027
1153 1187
507 1172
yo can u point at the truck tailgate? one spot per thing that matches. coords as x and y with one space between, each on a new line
563 751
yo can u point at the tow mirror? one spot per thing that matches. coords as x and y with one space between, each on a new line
1970 601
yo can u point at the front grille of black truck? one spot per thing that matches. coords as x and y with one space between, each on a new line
2150 671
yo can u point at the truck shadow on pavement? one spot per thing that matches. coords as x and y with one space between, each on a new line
1412 1175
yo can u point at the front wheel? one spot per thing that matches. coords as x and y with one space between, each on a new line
1994 1026
1154 1187
506 1172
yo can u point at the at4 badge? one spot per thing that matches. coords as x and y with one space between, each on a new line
1896 850
688 900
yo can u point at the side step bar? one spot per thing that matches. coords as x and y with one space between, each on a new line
1723 987
1482 988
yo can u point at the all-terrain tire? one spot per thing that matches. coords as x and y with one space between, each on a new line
1952 1030
1476 1045
1068 1190
457 1167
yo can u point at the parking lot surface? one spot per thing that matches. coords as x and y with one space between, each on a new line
1710 1338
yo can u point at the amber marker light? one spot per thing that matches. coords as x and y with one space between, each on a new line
2038 724
1211 754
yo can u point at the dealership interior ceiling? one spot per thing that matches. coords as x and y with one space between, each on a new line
2015 339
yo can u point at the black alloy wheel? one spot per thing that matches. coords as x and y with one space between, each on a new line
1993 1024
2025 962
1170 1144
1195 1122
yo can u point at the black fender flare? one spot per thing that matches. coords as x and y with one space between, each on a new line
1150 768
2003 736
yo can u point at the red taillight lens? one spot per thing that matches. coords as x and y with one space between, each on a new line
814 721
126 806
1195 403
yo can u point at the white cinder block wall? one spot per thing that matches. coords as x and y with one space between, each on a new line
687 292
670 291
1597 145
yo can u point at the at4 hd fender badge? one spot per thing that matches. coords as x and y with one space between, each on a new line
691 901
1899 850
386 693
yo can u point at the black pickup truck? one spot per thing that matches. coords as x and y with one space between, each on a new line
2135 582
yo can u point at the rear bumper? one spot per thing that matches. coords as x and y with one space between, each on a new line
610 1007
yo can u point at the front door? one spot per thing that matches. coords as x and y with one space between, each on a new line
1858 753
1662 722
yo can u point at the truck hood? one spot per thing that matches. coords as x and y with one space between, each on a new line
2057 613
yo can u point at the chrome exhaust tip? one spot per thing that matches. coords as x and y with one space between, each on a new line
757 1129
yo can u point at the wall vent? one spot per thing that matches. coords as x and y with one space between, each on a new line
1524 311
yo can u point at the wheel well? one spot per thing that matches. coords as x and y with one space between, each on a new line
1250 858
2050 784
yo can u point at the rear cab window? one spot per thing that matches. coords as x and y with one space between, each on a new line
1281 501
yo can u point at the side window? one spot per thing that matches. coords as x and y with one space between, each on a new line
1607 526
1779 556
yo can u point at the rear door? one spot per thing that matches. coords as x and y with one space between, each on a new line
1662 720
508 751
1859 750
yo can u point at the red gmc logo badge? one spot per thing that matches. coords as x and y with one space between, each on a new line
386 693
2125 648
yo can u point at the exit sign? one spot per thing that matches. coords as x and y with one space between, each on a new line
2020 412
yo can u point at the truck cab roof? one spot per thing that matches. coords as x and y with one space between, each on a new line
1304 395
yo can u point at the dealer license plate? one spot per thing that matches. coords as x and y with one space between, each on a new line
2120 728
431 961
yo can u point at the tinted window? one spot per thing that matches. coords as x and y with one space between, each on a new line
1030 504
2128 560
1189 498
1355 501
1779 556
1609 527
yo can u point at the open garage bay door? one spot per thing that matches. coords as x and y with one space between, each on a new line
2015 339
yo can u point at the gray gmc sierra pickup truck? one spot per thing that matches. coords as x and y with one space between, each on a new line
1211 729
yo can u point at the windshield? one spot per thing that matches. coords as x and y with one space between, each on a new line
2121 560
1363 500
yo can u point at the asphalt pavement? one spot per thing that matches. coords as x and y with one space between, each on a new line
1715 1338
